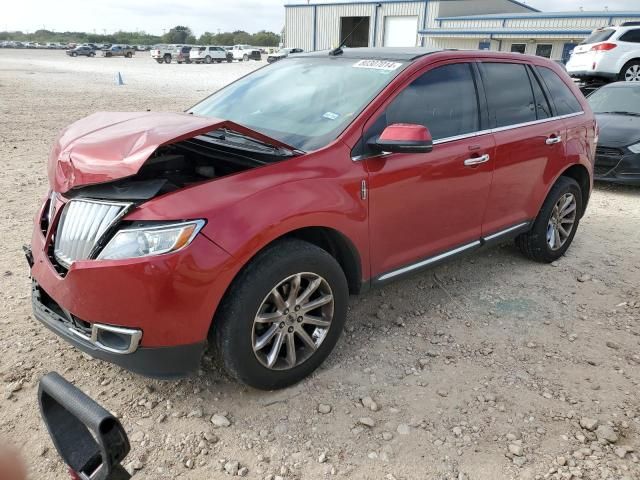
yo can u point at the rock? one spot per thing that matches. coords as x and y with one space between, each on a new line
242 472
519 461
137 436
323 457
606 433
442 393
403 429
561 461
220 421
189 463
324 408
210 437
367 422
387 436
589 424
368 402
585 277
613 345
137 465
197 413
516 450
622 450
457 431
232 467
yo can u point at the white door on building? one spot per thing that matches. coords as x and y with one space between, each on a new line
400 31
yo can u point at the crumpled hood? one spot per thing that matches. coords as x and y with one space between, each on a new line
107 146
618 130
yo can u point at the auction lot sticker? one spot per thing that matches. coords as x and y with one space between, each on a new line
378 65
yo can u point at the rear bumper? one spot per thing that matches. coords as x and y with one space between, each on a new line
159 362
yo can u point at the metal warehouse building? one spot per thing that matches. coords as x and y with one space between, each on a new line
501 25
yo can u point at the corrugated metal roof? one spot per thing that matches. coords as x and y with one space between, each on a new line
539 15
341 2
386 53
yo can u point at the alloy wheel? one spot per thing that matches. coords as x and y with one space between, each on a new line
632 74
562 221
292 321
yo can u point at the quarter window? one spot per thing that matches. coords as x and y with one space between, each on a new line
542 105
509 94
443 100
632 36
561 95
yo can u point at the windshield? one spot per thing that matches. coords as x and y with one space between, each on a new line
599 36
303 102
624 99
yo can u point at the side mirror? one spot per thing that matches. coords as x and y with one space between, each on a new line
404 138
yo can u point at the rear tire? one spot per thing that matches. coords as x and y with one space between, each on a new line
167 59
159 60
129 55
245 58
74 54
207 59
240 339
630 72
552 234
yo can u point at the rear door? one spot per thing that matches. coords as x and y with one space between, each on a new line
425 206
529 140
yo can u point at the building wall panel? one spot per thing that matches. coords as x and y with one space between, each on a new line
298 31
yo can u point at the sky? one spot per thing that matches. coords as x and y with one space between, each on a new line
200 15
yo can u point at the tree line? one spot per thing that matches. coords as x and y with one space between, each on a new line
178 34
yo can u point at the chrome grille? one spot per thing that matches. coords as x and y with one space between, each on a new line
82 225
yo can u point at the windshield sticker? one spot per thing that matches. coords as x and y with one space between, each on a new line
377 65
331 115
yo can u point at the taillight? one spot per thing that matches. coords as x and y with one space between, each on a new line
603 47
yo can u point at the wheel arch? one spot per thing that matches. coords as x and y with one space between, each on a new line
580 174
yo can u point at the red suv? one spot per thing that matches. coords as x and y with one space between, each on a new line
248 220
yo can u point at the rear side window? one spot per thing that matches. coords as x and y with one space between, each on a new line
632 36
509 94
561 95
443 100
599 36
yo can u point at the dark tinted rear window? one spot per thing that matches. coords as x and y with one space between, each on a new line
599 36
632 36
509 94
561 95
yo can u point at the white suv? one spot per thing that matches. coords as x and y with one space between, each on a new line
610 53
208 54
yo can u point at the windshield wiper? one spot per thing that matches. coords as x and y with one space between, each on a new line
632 114
230 136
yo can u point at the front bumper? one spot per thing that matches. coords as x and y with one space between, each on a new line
622 168
170 299
160 362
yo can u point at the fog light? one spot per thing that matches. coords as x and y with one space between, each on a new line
115 339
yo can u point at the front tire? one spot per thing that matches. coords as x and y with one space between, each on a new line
282 316
555 226
167 59
245 58
630 72
207 59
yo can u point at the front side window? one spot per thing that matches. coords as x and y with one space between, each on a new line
561 95
303 102
509 94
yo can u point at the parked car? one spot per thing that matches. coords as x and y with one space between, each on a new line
617 109
250 218
163 53
82 50
119 51
209 54
244 53
283 53
610 53
29 45
181 54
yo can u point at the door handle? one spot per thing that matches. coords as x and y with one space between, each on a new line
470 162
553 140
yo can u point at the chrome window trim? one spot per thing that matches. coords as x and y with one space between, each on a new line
505 231
455 138
429 261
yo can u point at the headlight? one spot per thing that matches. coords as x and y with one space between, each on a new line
635 148
51 209
136 242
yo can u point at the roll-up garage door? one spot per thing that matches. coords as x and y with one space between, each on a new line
400 31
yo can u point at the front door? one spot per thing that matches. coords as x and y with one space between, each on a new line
426 204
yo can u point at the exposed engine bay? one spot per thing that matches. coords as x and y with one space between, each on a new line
176 166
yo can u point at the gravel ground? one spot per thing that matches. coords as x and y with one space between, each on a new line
491 367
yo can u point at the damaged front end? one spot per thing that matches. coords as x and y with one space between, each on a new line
104 166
